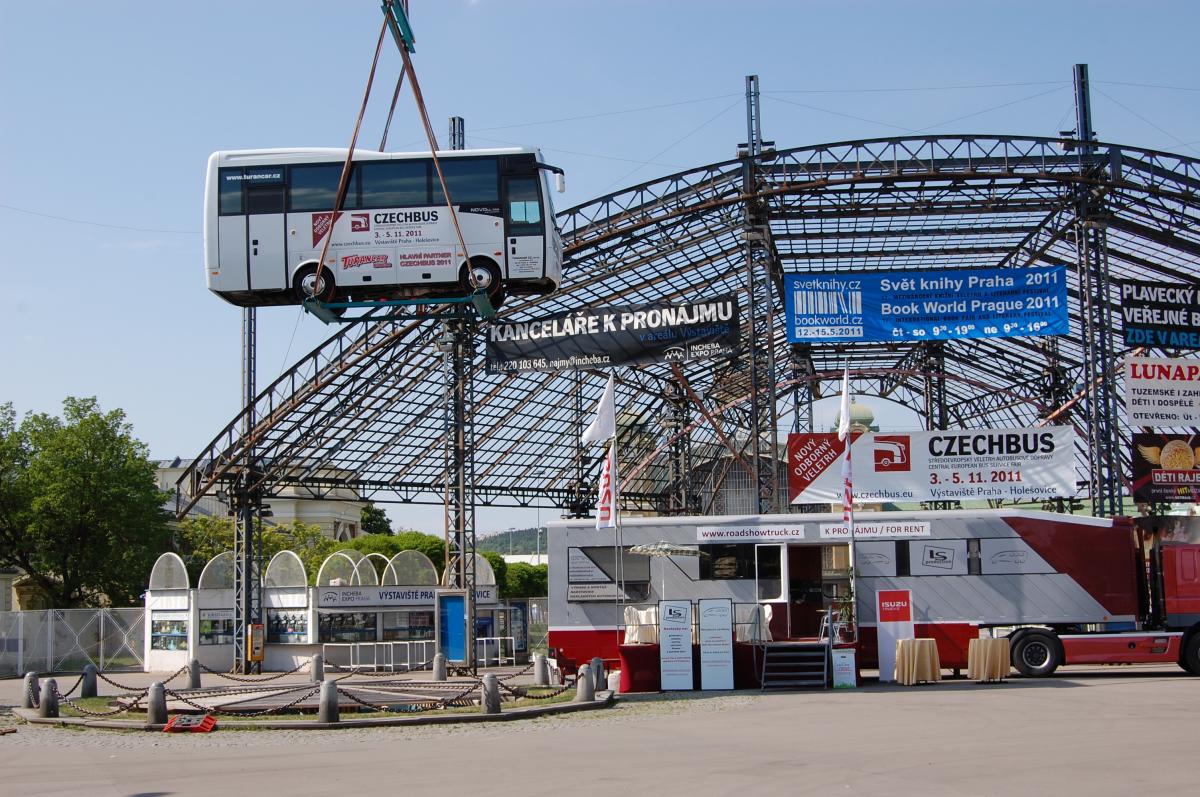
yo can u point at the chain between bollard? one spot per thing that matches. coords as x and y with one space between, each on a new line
524 691
279 709
89 713
517 674
165 681
35 699
423 706
72 689
260 680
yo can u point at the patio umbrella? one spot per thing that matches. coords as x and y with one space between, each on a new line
664 549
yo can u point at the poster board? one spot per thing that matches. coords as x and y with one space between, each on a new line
675 644
715 622
895 613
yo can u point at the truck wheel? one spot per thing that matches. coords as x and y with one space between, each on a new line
1036 654
307 284
487 276
1190 660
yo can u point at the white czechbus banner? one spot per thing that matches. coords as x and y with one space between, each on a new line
1162 391
1010 464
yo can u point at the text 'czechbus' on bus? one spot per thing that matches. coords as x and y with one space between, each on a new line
268 213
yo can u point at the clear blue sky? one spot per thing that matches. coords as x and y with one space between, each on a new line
111 108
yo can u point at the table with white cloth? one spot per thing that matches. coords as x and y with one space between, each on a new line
988 660
917 661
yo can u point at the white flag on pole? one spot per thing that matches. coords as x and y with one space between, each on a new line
604 425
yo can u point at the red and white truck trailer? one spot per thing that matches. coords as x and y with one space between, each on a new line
1065 589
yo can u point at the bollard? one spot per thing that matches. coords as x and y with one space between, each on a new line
599 681
489 699
328 711
316 670
541 670
87 688
193 674
32 689
585 687
156 704
48 705
439 667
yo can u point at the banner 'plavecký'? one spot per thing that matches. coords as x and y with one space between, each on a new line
926 305
607 337
1160 314
953 465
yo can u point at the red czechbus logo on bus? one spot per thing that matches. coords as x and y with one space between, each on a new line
360 222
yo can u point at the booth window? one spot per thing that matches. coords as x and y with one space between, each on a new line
727 561
168 634
407 625
287 627
216 631
346 627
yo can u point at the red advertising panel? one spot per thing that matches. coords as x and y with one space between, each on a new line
895 605
1165 468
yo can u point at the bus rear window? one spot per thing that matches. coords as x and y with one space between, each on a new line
471 182
313 186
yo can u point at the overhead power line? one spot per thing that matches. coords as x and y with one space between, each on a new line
96 223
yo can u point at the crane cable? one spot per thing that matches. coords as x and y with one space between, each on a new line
345 179
343 183
437 164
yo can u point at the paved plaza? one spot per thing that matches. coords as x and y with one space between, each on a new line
1103 731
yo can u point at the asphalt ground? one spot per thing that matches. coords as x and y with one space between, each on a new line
1118 730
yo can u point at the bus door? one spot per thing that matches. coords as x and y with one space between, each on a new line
524 228
266 241
771 584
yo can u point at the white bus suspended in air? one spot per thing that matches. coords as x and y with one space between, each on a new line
268 212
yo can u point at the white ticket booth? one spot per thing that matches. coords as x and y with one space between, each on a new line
169 629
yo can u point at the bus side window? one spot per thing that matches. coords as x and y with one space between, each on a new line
313 187
231 192
394 184
472 181
523 207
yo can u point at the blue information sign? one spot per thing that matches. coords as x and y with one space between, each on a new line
926 305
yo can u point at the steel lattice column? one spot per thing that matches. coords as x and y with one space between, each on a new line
457 345
676 417
760 331
1091 253
245 502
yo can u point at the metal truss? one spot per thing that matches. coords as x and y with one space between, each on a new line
362 415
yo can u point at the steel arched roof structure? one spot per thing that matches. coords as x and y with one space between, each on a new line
364 410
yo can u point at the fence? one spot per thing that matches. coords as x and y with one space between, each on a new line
64 640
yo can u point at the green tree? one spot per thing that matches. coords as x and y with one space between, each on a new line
80 511
375 520
526 581
500 568
201 538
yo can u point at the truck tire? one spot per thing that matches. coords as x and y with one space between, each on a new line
1190 658
1036 654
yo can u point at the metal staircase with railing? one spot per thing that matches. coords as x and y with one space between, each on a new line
795 665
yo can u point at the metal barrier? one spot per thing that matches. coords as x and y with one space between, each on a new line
58 640
484 643
391 656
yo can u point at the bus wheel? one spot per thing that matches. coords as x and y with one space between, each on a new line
306 284
487 276
1036 654
1190 660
